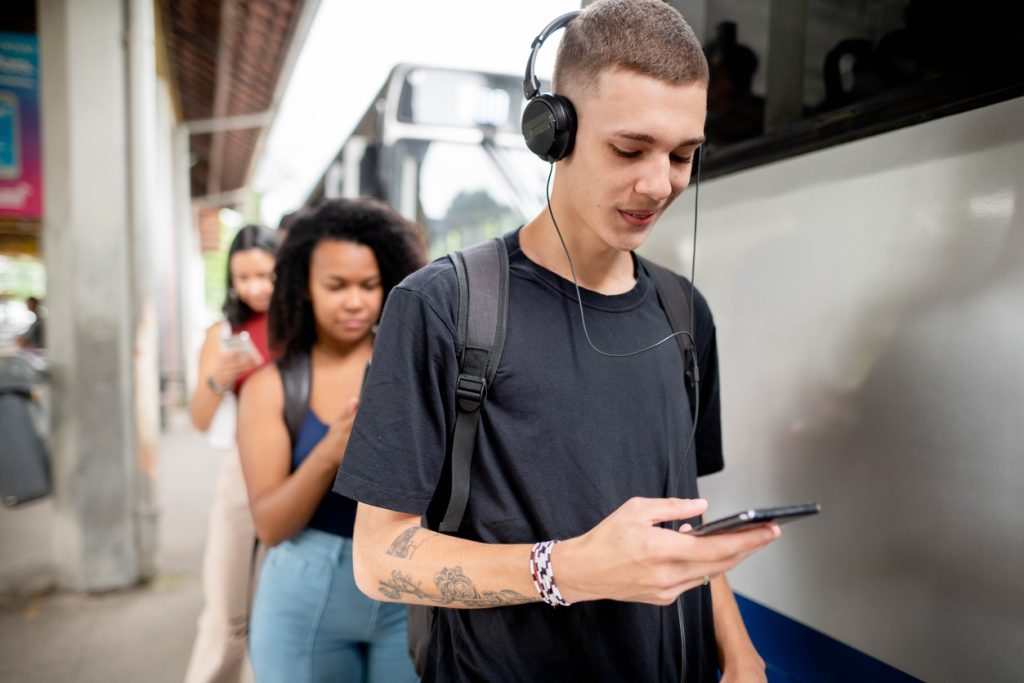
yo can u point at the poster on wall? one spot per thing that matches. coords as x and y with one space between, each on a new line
21 193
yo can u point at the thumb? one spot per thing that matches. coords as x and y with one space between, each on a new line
658 510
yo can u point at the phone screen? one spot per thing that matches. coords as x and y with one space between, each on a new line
757 517
241 342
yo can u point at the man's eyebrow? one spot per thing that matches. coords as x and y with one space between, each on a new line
644 137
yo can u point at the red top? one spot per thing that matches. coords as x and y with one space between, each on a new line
256 326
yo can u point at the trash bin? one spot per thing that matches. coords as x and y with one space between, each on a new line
24 458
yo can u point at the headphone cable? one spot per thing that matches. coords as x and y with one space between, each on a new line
579 297
674 481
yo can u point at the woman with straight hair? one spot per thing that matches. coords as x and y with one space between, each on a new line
232 351
310 622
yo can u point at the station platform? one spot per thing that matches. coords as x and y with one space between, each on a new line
142 634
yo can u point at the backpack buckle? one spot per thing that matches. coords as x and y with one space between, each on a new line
470 392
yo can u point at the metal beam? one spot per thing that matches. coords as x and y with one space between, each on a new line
222 90
220 199
226 123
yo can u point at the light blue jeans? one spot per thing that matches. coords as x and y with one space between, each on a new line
310 623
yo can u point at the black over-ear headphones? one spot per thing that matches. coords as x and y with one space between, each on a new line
549 121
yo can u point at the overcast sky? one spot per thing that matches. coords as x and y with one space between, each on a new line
351 48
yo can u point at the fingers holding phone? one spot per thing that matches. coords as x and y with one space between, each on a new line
237 355
230 366
744 528
627 557
713 555
241 344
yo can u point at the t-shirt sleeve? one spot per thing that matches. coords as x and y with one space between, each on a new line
397 447
709 417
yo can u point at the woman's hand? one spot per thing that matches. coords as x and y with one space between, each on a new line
228 366
332 448
220 367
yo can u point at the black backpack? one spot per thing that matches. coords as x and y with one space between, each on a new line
483 273
296 379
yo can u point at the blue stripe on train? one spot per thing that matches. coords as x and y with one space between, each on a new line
796 652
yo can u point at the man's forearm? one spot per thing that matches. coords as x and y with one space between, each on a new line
735 649
403 562
625 557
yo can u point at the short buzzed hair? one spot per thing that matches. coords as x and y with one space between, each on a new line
646 36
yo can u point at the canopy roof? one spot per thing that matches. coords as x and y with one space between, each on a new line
228 60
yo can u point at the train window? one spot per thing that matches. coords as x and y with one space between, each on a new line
791 76
464 197
442 97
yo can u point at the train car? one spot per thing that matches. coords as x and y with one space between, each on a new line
863 254
869 302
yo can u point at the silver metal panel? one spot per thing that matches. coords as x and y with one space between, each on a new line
870 308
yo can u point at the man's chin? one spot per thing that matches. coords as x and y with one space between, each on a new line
631 240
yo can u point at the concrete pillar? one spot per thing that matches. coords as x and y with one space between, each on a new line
191 272
96 194
166 258
144 225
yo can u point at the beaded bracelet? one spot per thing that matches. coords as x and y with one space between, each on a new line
544 575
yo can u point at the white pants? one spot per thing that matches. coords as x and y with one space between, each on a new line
219 652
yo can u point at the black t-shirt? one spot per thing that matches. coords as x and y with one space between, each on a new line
566 436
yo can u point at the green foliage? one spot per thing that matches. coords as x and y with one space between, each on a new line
215 266
22 277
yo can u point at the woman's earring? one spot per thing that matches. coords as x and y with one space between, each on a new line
374 328
232 294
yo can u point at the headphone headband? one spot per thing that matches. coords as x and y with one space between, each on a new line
531 84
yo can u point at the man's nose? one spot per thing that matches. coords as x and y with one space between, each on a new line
656 181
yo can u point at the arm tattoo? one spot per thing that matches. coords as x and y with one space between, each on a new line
403 547
453 586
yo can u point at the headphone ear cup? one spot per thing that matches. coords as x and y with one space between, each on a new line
549 126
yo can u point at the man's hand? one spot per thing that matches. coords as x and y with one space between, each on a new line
747 670
627 557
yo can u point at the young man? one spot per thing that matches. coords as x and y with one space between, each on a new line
572 444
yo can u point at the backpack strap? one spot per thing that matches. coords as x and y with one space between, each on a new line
296 378
482 273
675 300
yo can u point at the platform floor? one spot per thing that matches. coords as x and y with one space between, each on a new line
143 634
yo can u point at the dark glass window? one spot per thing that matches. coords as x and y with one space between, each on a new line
790 76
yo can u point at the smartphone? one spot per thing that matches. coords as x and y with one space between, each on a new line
241 342
750 518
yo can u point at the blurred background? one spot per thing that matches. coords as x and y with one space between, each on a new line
860 242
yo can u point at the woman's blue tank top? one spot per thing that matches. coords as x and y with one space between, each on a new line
335 514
